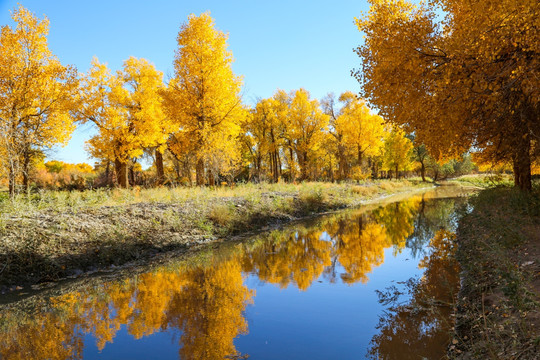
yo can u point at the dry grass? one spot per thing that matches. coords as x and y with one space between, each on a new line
76 200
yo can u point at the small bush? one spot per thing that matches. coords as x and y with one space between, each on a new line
312 200
222 214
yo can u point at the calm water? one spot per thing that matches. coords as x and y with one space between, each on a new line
324 289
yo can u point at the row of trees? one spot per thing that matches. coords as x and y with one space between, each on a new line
194 125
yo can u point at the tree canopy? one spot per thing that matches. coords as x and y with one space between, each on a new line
464 79
37 95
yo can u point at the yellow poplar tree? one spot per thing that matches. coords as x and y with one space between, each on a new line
204 99
305 124
397 151
362 131
336 142
126 108
261 137
144 85
36 95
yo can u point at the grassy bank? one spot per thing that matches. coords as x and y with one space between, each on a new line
499 250
484 180
49 235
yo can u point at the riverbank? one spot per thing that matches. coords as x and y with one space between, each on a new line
497 314
53 235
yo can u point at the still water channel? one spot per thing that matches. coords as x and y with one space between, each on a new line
352 285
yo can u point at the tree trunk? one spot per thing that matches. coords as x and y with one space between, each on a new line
121 169
187 171
304 165
160 172
397 173
26 171
12 184
276 168
331 170
522 165
176 165
132 179
199 170
343 167
278 165
107 172
291 162
423 171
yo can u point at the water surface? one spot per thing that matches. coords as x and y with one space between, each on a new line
335 287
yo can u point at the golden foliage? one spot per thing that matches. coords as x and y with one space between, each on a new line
397 152
459 74
203 98
126 108
37 94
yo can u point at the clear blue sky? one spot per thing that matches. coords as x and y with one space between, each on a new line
276 44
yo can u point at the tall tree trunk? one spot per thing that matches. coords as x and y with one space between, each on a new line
276 169
199 171
331 170
211 178
278 165
121 169
108 172
131 178
304 165
273 166
522 165
12 182
343 166
26 171
423 171
272 161
160 172
397 173
258 162
176 165
291 162
186 169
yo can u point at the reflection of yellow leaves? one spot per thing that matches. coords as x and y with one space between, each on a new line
298 259
362 250
443 244
398 220
424 330
206 302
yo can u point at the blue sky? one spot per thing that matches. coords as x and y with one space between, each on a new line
276 44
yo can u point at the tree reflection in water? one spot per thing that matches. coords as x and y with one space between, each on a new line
206 299
419 327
